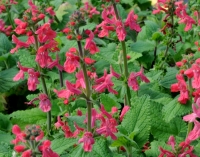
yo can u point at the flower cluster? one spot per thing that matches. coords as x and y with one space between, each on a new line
107 127
183 149
192 71
29 142
32 77
111 23
174 8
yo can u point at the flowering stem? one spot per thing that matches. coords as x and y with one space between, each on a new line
61 78
128 93
190 124
48 113
86 79
43 85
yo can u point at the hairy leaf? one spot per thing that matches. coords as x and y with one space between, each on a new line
108 102
161 129
101 149
5 124
32 116
138 118
61 144
5 150
26 59
169 78
6 79
174 108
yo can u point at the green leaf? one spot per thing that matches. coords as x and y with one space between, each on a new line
124 141
79 120
6 79
138 118
169 78
101 148
5 137
5 44
61 144
32 116
79 152
154 151
153 93
5 150
89 26
108 102
5 124
130 2
161 129
151 27
26 59
174 109
134 56
142 46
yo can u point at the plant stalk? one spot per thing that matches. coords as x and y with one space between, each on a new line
44 86
87 83
126 74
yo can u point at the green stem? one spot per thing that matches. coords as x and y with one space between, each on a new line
129 151
87 83
43 85
61 78
48 113
190 124
126 74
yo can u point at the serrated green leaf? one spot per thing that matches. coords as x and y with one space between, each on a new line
6 79
5 150
154 151
101 149
142 46
138 118
79 120
89 26
5 124
151 27
174 109
134 56
79 152
32 116
5 44
53 75
169 78
108 102
26 59
161 129
61 144
5 137
130 2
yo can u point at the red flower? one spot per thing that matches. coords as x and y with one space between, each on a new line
124 111
46 150
21 26
18 43
131 21
45 104
45 33
120 30
72 61
182 87
90 44
132 80
27 153
19 148
80 82
50 11
105 82
87 141
33 79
